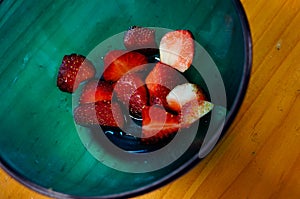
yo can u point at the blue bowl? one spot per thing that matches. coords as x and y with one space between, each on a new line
42 147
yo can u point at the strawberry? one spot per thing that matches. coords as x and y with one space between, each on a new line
103 113
192 111
183 94
73 70
119 62
158 124
96 90
177 49
141 40
132 92
189 100
160 81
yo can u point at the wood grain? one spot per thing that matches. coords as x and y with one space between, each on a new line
260 155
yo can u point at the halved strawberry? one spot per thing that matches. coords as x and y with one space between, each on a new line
189 100
183 94
177 49
96 90
119 62
103 113
193 111
160 81
73 70
132 92
158 124
141 39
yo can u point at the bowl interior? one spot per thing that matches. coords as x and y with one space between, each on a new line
39 144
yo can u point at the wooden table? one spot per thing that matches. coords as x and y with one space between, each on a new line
260 155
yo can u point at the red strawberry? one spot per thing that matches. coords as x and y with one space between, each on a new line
183 94
158 124
96 90
74 70
102 113
119 62
160 81
141 39
189 100
132 92
177 49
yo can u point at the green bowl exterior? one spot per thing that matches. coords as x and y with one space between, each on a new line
38 143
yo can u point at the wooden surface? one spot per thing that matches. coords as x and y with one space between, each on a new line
260 155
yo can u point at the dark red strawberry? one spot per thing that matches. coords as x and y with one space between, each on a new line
73 70
177 49
141 40
132 92
96 90
158 124
160 81
103 113
119 62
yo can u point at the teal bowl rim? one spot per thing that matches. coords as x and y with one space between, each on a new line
187 165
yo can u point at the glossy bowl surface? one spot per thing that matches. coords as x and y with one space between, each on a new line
39 143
